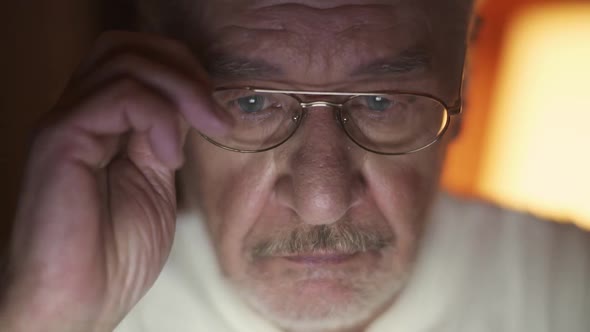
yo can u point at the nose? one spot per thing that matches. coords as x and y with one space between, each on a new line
321 181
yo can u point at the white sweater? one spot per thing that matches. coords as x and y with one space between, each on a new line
481 269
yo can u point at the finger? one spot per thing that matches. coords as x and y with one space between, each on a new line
192 99
153 46
125 106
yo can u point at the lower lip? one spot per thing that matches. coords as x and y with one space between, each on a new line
320 259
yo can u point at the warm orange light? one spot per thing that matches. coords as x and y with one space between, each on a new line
538 154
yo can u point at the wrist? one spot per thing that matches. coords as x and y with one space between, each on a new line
36 312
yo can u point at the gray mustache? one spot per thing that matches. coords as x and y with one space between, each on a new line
341 238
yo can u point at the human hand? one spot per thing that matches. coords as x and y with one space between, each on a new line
96 216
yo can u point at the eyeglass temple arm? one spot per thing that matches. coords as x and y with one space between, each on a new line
457 108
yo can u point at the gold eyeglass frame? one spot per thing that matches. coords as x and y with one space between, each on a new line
449 111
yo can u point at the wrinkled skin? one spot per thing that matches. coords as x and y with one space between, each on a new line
96 214
320 177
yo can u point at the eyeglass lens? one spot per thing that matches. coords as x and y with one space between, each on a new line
383 123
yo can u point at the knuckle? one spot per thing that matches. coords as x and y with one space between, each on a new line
57 139
129 94
178 46
126 59
127 89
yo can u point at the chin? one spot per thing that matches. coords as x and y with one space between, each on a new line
321 300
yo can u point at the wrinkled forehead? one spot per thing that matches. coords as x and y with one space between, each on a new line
312 26
331 39
181 14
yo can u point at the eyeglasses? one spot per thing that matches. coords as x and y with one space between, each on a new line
389 123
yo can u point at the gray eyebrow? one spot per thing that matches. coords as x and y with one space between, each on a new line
238 67
405 62
231 66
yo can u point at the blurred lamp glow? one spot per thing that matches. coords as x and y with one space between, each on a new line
537 157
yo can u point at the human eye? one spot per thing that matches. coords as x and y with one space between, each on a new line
379 107
258 118
253 106
378 103
392 115
249 106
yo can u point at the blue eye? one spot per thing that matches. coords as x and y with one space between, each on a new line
251 104
378 103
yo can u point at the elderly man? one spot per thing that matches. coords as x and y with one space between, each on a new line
308 138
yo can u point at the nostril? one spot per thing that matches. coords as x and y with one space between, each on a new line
323 192
324 208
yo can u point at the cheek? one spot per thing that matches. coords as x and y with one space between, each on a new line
403 188
231 191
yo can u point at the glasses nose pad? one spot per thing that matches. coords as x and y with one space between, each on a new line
298 117
341 117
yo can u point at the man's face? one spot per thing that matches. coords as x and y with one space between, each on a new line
319 233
